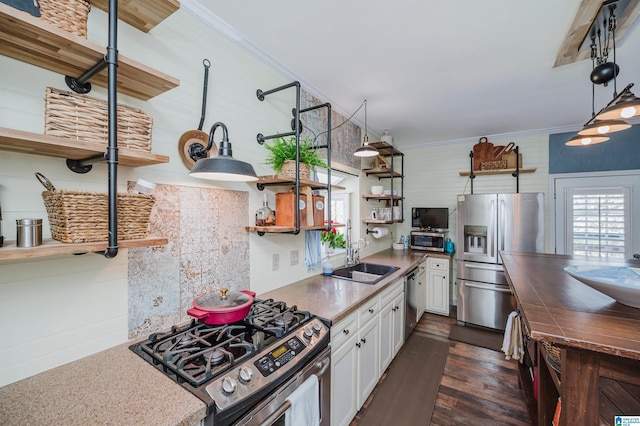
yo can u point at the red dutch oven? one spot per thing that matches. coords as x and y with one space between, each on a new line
223 308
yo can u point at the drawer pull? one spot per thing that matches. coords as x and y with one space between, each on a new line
358 344
345 331
363 340
370 310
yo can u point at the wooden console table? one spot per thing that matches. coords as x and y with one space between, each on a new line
599 341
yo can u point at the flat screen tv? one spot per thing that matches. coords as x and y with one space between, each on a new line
430 217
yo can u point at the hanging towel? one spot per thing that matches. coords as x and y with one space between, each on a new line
305 404
512 344
506 342
312 256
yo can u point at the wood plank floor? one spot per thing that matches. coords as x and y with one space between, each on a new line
478 387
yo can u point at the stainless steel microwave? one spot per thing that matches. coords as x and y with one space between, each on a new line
424 240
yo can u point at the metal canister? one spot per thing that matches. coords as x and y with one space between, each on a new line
404 239
29 232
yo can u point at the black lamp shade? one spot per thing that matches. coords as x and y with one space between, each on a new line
224 168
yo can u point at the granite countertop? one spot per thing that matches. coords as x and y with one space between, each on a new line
116 386
557 308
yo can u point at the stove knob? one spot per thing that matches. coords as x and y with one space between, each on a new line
228 385
245 374
308 333
317 327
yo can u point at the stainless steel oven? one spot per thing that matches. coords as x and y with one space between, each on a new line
273 411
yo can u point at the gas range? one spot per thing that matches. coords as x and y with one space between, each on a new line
232 367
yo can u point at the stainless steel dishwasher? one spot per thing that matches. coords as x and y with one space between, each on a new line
411 304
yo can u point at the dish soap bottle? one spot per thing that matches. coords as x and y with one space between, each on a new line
327 267
265 216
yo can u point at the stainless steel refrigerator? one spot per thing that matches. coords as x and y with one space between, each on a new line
487 224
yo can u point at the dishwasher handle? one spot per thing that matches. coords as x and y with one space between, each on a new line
486 287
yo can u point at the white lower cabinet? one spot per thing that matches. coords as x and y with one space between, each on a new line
391 323
421 302
357 345
438 286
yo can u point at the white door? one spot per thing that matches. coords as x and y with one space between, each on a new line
386 335
398 323
368 356
422 290
438 292
344 367
595 215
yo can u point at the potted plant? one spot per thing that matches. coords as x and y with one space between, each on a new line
282 157
332 239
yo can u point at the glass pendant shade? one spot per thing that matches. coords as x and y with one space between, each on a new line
586 140
626 107
602 127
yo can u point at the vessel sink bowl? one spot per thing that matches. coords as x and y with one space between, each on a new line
366 273
621 283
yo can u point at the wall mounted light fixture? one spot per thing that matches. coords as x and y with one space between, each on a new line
223 167
610 118
366 150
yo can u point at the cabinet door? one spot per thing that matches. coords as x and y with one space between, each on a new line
387 337
343 382
398 324
422 291
368 359
438 292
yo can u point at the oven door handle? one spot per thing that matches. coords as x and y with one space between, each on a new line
322 366
484 287
269 421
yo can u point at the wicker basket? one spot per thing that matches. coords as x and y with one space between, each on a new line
288 170
70 15
82 217
85 119
553 356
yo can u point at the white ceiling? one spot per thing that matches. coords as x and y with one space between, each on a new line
431 71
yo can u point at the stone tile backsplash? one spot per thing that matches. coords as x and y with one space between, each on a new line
208 249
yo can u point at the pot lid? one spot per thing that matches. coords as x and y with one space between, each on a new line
224 300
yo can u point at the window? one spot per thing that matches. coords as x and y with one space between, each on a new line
597 220
339 213
596 214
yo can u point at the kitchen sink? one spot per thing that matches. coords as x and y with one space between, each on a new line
366 273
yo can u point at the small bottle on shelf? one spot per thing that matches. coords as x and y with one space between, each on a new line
265 216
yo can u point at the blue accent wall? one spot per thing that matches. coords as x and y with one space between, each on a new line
620 152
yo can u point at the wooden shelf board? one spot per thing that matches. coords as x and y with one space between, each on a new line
51 247
141 14
381 172
286 229
280 181
34 143
382 222
382 197
385 149
498 172
29 39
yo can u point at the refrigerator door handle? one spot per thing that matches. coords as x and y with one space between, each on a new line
501 220
483 287
492 239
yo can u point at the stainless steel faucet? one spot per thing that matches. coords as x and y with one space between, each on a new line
353 255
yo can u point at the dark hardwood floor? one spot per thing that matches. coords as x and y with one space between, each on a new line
478 387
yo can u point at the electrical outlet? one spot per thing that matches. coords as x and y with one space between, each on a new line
275 262
295 257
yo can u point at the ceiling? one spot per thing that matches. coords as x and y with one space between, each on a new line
431 71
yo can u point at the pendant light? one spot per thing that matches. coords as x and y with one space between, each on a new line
366 150
609 119
627 106
223 167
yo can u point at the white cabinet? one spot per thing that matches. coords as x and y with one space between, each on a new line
358 344
368 359
344 369
438 274
391 323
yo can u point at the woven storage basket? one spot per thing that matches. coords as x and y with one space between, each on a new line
85 119
553 356
288 170
82 217
70 15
